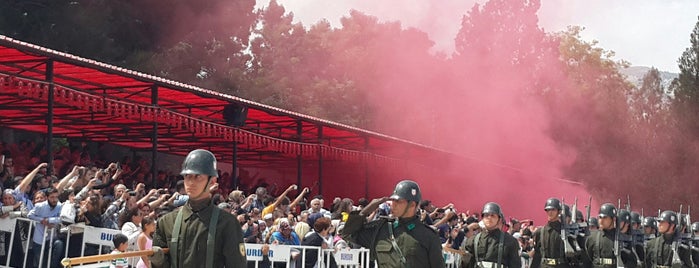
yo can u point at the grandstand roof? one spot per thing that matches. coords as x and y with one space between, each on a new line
106 103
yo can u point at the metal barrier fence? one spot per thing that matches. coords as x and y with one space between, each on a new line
102 237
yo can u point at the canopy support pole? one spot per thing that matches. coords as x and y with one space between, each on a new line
320 160
154 137
49 118
299 158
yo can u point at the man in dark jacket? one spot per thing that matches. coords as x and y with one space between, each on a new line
199 234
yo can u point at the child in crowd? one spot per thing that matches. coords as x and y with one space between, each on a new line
121 243
145 240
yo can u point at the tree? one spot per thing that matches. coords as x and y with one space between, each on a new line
108 31
686 86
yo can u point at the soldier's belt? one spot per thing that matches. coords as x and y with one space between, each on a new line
487 264
552 262
604 261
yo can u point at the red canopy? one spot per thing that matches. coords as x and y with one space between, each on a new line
105 103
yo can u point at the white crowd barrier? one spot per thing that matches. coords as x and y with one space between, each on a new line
285 254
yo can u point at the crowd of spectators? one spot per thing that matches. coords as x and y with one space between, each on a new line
87 190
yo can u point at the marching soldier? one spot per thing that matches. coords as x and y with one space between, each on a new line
600 245
626 240
403 241
549 248
650 228
663 251
593 224
493 248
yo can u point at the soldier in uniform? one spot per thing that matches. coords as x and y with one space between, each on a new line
600 245
626 239
549 248
593 224
400 241
695 243
660 252
650 228
492 248
199 234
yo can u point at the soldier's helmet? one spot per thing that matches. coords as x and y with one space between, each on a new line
492 208
649 222
668 216
592 221
407 190
199 161
635 217
566 208
553 203
695 226
607 210
624 216
579 216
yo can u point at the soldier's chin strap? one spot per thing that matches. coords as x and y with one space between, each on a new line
206 188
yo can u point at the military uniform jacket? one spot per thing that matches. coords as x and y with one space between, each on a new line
419 243
659 252
229 250
488 247
548 244
600 246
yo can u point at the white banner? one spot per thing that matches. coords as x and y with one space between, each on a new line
8 225
448 257
347 257
277 253
99 236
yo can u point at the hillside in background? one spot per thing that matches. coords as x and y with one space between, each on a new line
634 74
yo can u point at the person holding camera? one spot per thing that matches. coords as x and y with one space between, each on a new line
199 234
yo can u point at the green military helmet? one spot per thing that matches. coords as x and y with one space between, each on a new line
552 203
635 217
607 210
579 216
592 221
650 222
566 208
407 190
199 161
492 208
668 216
624 216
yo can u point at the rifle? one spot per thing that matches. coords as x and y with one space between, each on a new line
675 243
588 207
691 235
574 227
635 235
569 251
617 250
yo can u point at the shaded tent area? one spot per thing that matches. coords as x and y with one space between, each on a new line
62 95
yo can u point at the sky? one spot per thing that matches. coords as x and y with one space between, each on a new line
645 33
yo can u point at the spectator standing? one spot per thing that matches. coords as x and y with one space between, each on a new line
47 217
